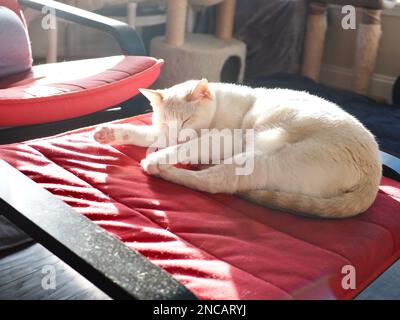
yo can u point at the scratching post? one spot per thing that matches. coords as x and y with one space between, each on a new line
201 56
225 17
367 45
314 40
132 13
195 56
52 46
176 22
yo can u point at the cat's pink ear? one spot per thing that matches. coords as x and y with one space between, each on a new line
154 96
200 92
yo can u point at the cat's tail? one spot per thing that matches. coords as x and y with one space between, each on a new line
341 206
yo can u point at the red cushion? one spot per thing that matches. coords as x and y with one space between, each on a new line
219 246
60 91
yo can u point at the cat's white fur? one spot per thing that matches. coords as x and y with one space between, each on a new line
311 157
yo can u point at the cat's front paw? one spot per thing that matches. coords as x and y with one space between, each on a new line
152 166
104 135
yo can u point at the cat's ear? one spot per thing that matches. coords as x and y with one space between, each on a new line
200 92
154 96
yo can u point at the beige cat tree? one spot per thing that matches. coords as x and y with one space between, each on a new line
194 56
368 35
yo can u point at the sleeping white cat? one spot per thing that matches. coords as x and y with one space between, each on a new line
310 156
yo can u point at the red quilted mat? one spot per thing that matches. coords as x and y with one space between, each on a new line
219 246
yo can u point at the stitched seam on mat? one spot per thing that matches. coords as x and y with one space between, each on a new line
240 212
291 235
315 245
384 228
154 222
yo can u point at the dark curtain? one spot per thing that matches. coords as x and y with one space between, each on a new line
273 31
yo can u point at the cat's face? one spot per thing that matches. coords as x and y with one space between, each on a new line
187 105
